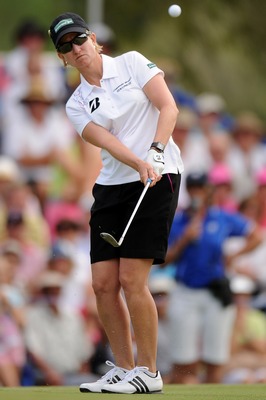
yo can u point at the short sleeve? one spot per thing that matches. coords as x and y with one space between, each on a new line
76 112
142 68
239 225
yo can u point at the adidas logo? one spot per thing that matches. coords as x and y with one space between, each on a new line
115 379
139 385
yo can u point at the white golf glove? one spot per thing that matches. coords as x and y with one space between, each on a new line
156 160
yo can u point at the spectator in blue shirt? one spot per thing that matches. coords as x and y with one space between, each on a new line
201 310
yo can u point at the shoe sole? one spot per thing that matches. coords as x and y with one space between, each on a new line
155 392
84 390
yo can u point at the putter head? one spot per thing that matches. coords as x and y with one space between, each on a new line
109 239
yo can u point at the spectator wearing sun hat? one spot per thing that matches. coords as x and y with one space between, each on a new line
40 147
28 58
247 154
248 360
55 338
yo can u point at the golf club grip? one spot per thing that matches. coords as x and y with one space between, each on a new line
135 210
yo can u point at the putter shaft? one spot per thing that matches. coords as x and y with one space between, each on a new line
109 238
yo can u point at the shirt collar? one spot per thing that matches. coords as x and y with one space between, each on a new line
109 67
109 71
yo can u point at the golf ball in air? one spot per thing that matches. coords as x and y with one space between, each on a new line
174 10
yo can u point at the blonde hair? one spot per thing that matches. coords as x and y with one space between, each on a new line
98 47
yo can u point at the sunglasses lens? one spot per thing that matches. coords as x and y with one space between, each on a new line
67 47
80 40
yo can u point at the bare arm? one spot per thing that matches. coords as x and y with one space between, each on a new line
51 376
252 241
101 137
92 164
191 233
158 93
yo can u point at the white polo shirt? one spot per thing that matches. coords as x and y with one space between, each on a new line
121 107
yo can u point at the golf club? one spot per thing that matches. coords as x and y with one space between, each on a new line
109 238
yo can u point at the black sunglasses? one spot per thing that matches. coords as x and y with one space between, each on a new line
67 46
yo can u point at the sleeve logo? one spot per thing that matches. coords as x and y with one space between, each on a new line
151 65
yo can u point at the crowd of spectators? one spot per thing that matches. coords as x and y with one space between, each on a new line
49 329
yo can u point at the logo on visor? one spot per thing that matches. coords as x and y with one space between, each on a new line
94 104
63 23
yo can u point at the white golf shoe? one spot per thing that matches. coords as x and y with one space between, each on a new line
113 376
138 380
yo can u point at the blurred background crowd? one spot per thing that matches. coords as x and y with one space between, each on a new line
49 329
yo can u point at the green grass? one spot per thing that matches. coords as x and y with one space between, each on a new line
171 392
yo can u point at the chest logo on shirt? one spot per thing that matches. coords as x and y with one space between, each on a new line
123 85
94 104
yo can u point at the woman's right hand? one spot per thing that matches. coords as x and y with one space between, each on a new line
147 171
193 230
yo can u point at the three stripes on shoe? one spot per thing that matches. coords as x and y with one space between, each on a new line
137 383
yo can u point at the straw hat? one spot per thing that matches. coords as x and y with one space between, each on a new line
248 121
37 93
210 103
187 119
51 279
8 169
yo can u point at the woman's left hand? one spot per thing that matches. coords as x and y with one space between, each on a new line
156 160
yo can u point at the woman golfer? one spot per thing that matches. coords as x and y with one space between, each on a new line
124 107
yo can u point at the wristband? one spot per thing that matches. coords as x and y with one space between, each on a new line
158 146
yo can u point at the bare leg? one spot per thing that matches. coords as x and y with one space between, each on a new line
9 375
213 373
113 312
186 374
134 277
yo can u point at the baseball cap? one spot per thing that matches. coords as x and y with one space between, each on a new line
196 179
60 251
66 23
220 174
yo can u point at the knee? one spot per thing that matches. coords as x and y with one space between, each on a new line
130 284
104 286
125 282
